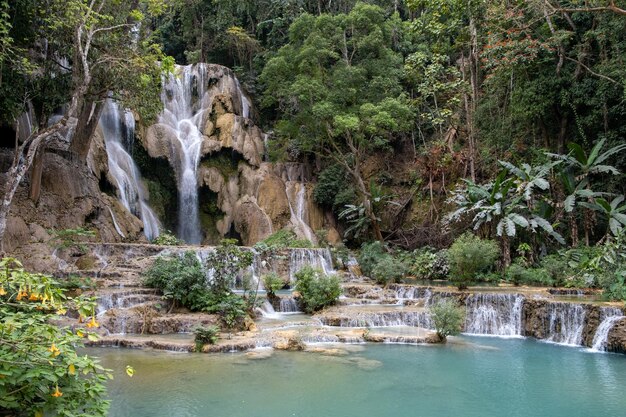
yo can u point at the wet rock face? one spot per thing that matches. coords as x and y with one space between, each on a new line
616 341
70 197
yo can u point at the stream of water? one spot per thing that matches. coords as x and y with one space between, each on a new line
469 377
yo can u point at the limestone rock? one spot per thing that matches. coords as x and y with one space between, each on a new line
272 198
250 221
333 237
37 233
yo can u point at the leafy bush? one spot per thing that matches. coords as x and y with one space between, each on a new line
371 254
316 290
71 238
285 238
180 278
77 282
519 274
225 264
425 263
167 238
231 308
272 283
41 372
388 270
610 268
469 255
205 335
448 318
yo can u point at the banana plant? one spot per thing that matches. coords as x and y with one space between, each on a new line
613 211
580 167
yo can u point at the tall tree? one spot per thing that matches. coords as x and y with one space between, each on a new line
337 86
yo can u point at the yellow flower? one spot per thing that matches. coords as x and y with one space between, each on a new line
20 295
54 350
71 369
80 333
3 291
93 323
33 297
61 311
56 392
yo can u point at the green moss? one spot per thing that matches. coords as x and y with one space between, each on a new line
225 161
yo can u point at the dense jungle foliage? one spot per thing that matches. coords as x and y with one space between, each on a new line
421 119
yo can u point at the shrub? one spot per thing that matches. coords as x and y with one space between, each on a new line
76 282
225 264
518 274
284 238
448 318
205 335
272 283
371 254
427 264
316 290
180 278
71 238
167 238
41 372
469 255
231 308
388 270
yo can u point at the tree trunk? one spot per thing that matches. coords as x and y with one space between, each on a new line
506 251
87 123
573 229
36 173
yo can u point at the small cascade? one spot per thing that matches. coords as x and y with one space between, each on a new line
266 147
316 258
266 310
118 128
382 319
288 305
494 314
296 194
565 323
403 292
609 316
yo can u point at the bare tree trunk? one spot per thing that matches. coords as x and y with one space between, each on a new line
36 173
506 251
87 124
573 229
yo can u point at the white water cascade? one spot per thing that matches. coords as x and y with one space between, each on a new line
566 322
118 128
188 97
315 258
494 314
609 316
296 194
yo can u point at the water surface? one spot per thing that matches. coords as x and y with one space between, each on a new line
472 377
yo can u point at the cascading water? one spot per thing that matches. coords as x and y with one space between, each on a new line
494 314
184 117
565 323
288 305
296 194
609 316
118 128
187 97
316 258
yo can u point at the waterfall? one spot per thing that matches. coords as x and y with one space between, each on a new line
566 322
609 316
118 128
187 97
296 195
382 319
184 118
288 305
315 258
494 314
